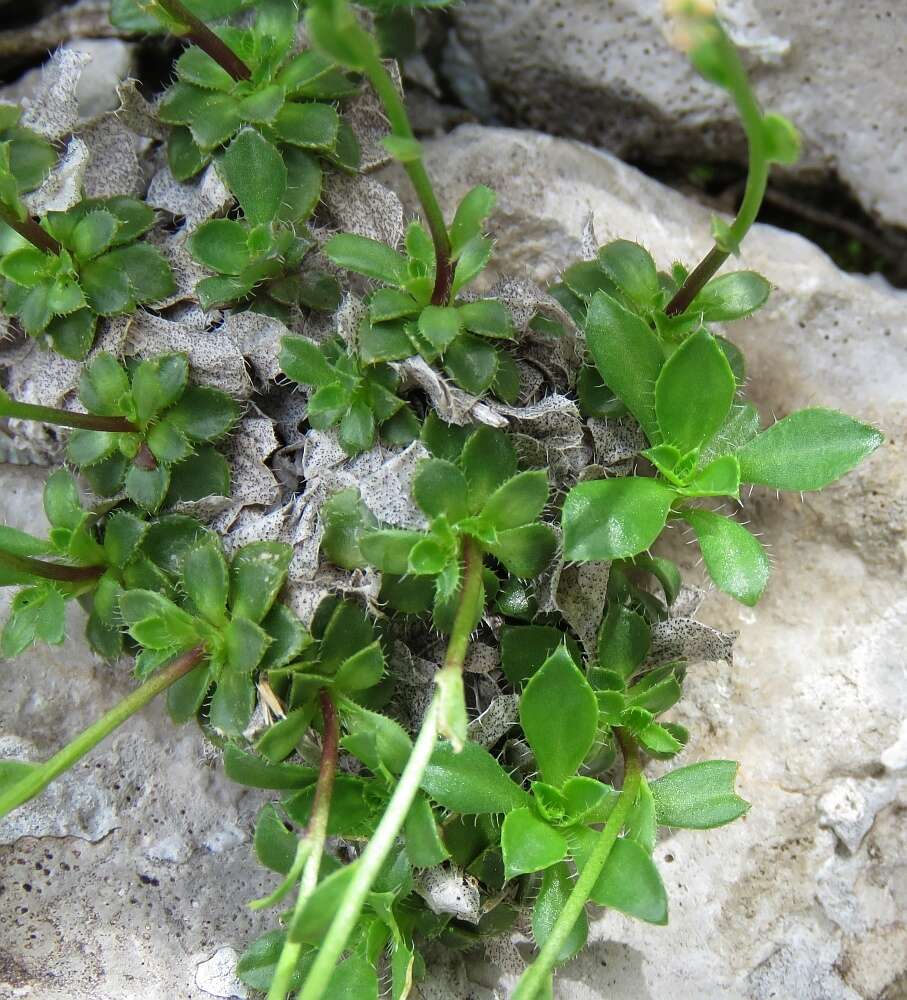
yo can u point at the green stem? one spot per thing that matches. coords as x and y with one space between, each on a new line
315 835
399 122
64 418
28 229
201 35
379 846
30 785
533 979
756 180
50 570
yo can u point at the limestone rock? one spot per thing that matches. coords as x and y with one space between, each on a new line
774 905
606 73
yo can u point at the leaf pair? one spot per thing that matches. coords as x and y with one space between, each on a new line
359 398
101 270
170 420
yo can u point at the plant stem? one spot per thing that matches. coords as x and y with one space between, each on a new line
29 786
533 979
64 418
756 180
50 570
379 846
201 35
28 229
418 175
315 834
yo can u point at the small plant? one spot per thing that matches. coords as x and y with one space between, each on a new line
387 784
357 398
145 430
78 265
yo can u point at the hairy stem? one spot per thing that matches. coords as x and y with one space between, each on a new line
36 781
28 229
201 35
315 836
379 846
418 175
533 979
63 418
50 570
756 180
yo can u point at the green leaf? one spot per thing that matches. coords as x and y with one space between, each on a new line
629 881
694 392
93 234
196 66
258 963
470 782
588 800
147 487
106 286
73 335
718 479
305 362
381 342
89 447
167 444
472 363
257 572
206 580
439 488
262 106
232 703
25 266
252 168
559 716
203 414
469 218
103 384
628 356
389 549
807 450
782 140
529 844
518 501
440 326
281 738
424 846
253 772
366 256
61 501
731 296
362 670
699 796
487 317
348 631
158 383
623 640
214 120
402 148
355 978
206 474
553 893
184 157
149 274
273 843
357 428
735 559
614 518
310 126
632 269
488 460
185 696
471 261
390 303
351 813
641 825
221 244
525 551
392 745
524 648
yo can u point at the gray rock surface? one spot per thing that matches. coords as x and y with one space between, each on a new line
805 898
607 74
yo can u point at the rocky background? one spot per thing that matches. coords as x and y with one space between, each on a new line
128 879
